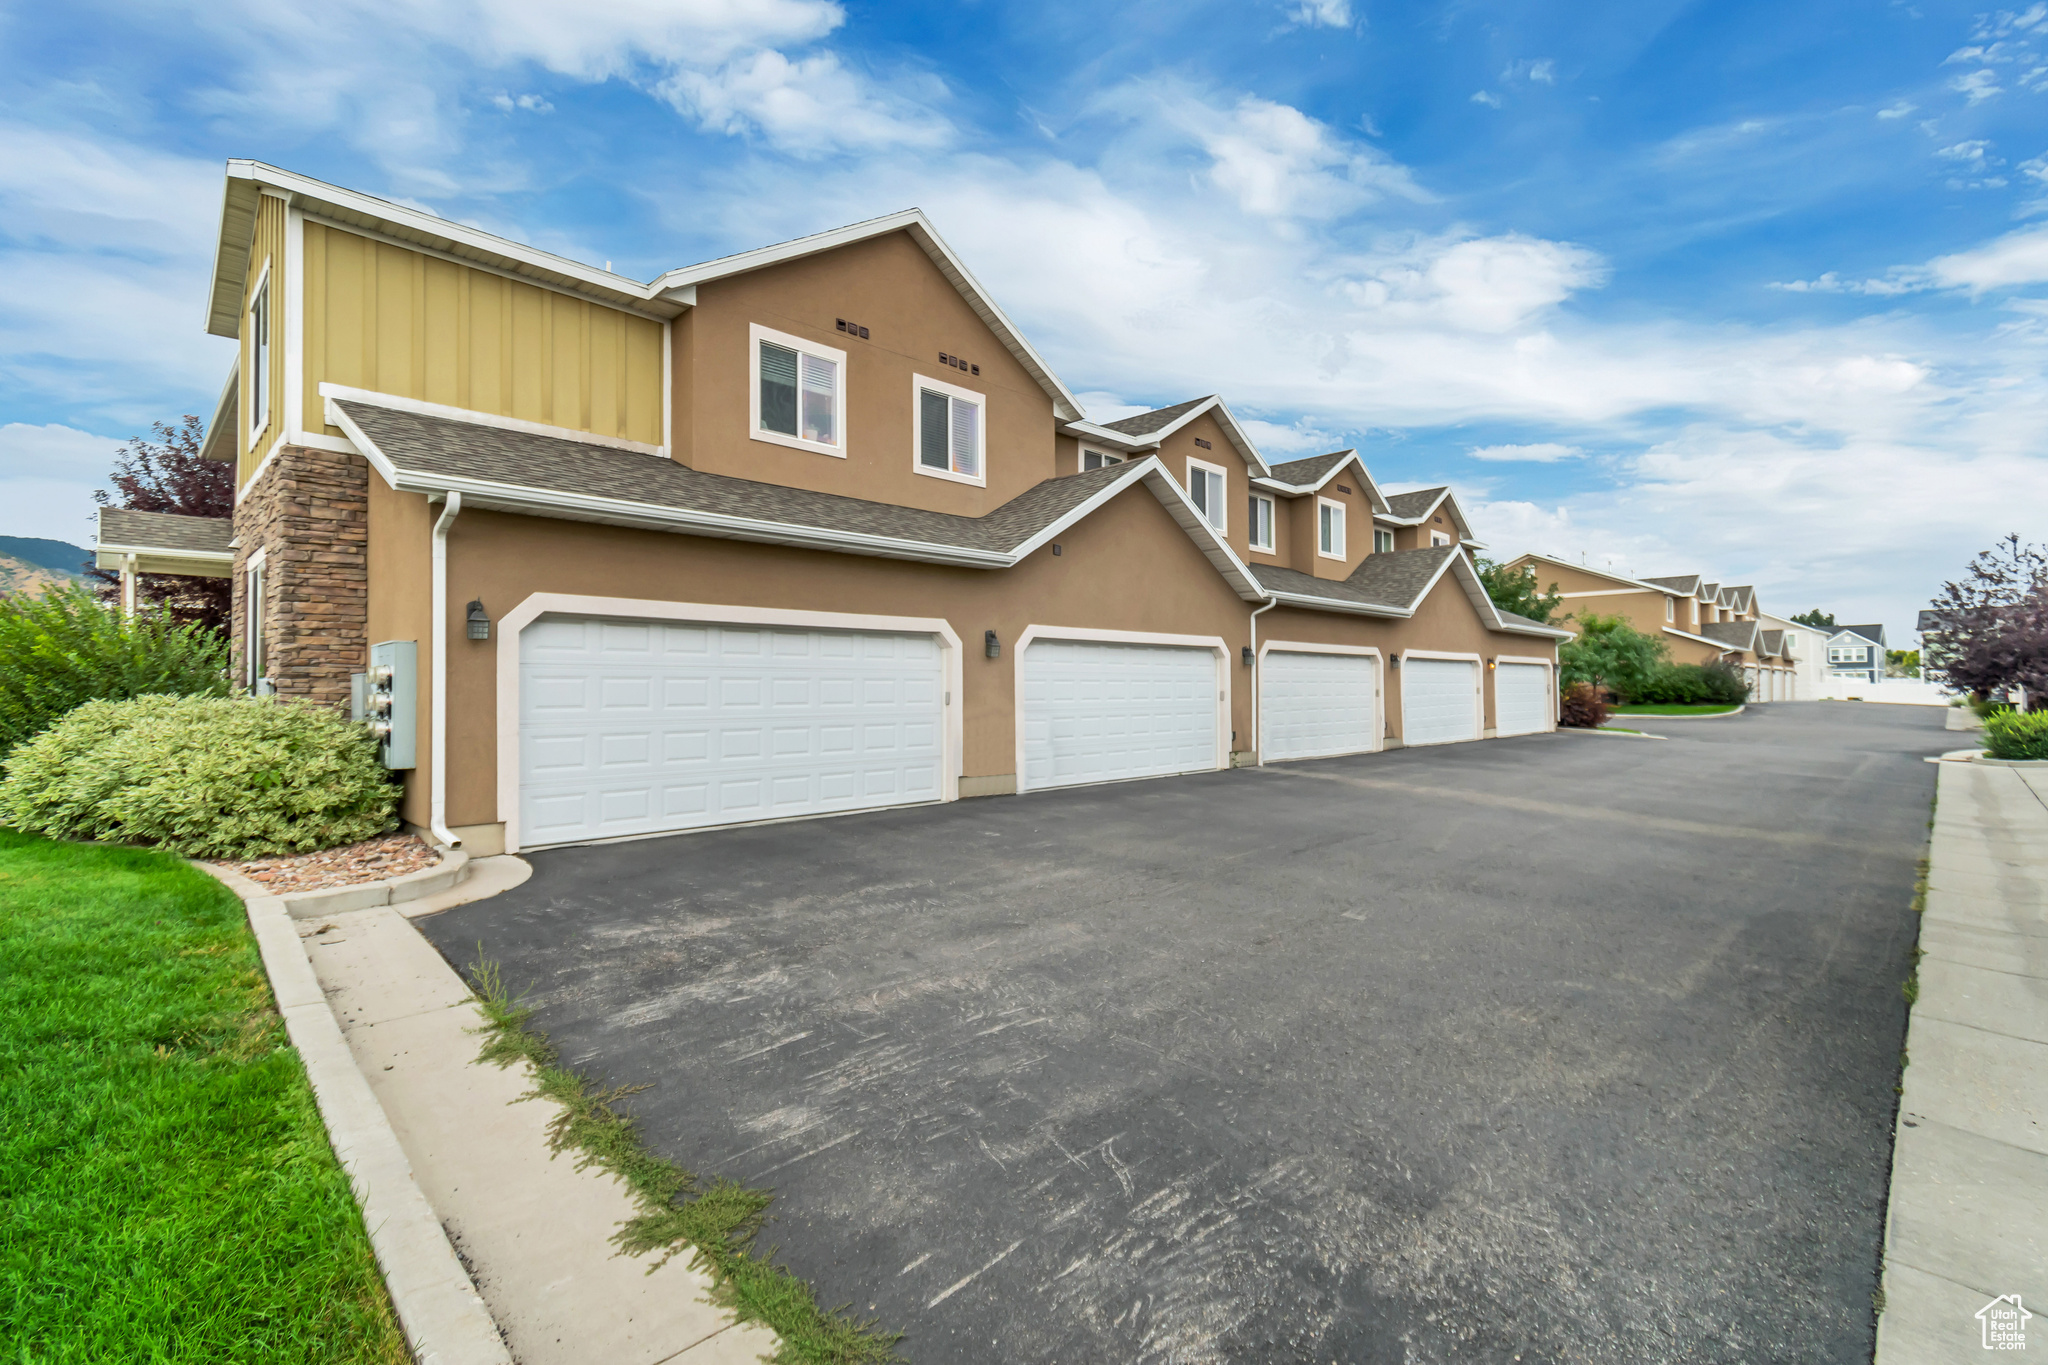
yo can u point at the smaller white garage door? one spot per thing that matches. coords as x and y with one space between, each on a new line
1439 701
1313 705
1521 699
1098 712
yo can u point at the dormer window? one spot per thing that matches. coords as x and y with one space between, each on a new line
948 436
1382 542
1205 488
799 393
1329 529
1096 459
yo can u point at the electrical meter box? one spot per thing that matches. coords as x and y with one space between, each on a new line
393 697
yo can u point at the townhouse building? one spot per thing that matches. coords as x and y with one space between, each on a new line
808 529
1698 622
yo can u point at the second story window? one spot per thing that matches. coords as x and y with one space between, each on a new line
1096 459
259 358
1438 538
1205 489
1671 609
1329 528
1382 542
949 432
799 393
1261 526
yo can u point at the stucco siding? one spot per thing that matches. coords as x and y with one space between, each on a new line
397 321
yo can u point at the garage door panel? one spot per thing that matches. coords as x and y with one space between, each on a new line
1439 701
1521 699
775 723
1099 712
1316 705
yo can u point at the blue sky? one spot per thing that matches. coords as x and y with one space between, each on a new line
1758 291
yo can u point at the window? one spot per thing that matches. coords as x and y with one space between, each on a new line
799 393
252 617
948 433
1329 528
1095 459
1438 538
259 357
1382 542
1205 487
1848 654
1671 609
1261 522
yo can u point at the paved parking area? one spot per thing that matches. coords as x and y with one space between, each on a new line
1557 1048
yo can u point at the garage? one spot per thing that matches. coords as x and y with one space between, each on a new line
1439 700
1104 712
639 727
1521 699
1314 704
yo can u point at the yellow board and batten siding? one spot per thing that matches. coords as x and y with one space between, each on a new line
266 249
397 321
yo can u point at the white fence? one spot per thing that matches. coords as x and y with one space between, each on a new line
1900 691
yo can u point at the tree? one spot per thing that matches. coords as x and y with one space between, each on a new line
1818 619
1902 663
170 475
1993 624
1610 653
1515 590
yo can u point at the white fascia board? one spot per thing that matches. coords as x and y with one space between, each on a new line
417 227
1374 499
1296 599
913 221
1228 421
1518 628
1607 574
1214 547
230 274
483 419
222 427
1697 639
1089 431
170 552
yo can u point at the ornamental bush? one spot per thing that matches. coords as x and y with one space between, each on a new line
207 777
65 646
1691 685
2017 734
1582 707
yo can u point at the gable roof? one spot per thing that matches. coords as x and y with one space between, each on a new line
663 298
1393 583
1685 585
1146 430
1412 507
1772 644
1874 634
514 468
1157 420
1297 478
1732 634
129 531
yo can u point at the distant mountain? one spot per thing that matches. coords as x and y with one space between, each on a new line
19 576
57 556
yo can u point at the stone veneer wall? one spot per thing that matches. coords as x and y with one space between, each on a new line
310 513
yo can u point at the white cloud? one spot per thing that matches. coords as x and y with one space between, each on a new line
810 105
1971 153
1899 110
1487 98
1322 14
1540 452
2016 258
1976 86
48 474
1541 70
1297 441
533 104
1279 163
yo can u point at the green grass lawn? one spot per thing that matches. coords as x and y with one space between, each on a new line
1672 709
168 1191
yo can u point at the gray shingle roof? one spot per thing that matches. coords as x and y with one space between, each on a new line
551 464
1145 423
1515 619
1734 634
1303 472
1874 634
1773 643
1393 580
1684 584
1416 503
1928 619
165 531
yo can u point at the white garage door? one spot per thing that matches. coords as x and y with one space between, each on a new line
1439 701
634 727
1313 705
1104 712
1521 699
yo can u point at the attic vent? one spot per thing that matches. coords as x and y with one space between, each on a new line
1203 444
957 363
853 329
1438 520
1342 489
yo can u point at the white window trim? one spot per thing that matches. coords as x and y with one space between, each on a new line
1437 538
1213 643
253 616
1338 524
756 334
1671 609
919 381
1478 693
1221 506
259 394
1107 457
1272 538
630 608
1377 532
1379 688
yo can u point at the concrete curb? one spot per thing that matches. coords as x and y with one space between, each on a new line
443 1317
1991 762
1616 734
339 900
1715 715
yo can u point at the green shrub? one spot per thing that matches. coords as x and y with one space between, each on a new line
208 777
1582 707
65 646
2017 734
1609 653
1691 685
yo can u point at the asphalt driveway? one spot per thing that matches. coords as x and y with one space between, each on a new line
1557 1048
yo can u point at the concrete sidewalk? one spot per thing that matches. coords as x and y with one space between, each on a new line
533 1231
1969 1195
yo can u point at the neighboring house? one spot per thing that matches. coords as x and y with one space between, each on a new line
807 529
133 543
1805 653
1698 622
1856 654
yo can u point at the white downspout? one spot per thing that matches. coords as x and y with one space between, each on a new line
437 776
1257 745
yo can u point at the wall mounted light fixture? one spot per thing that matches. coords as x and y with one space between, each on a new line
990 645
479 620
